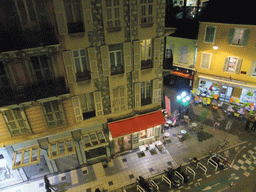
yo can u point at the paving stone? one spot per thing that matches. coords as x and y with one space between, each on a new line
251 152
240 161
243 167
246 174
235 167
251 168
248 162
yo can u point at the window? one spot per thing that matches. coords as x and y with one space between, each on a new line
206 60
54 113
183 54
238 36
4 82
146 11
113 13
146 133
252 71
146 89
169 52
232 65
118 102
82 70
41 67
146 54
94 138
115 52
16 121
61 148
209 34
26 157
27 13
74 16
87 105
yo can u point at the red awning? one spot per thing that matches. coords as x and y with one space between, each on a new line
188 76
135 124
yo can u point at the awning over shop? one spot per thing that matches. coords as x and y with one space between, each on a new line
136 124
188 76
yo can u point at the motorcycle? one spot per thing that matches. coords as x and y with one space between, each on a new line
144 184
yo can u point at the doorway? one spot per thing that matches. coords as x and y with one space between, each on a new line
226 93
123 144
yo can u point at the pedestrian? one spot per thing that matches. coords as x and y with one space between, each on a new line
48 186
97 190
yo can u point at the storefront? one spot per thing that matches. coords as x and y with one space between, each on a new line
133 132
226 89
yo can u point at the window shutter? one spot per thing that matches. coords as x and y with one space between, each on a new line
157 132
245 36
25 119
77 108
7 123
122 97
127 57
105 60
252 68
206 60
115 100
231 35
98 103
93 62
157 50
238 66
137 94
63 118
226 64
69 66
87 12
60 17
137 62
156 91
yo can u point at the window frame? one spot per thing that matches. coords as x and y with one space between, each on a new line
29 22
202 60
114 20
242 39
92 145
41 67
227 71
146 133
205 34
118 99
146 4
148 49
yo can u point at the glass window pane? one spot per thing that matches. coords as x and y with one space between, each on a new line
86 139
47 107
143 10
108 3
82 52
118 57
43 61
50 117
54 149
117 23
116 2
32 13
61 148
116 13
110 24
13 125
18 158
77 12
77 64
90 101
17 114
69 145
58 115
23 12
9 115
55 105
34 154
84 63
69 15
150 9
109 14
76 53
112 59
93 137
47 74
21 123
35 62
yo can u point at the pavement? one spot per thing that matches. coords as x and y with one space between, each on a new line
121 173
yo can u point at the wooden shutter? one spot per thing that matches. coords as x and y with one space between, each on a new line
137 61
156 91
225 67
206 60
105 60
93 62
115 100
157 50
60 17
245 36
77 108
63 117
238 66
87 13
122 98
252 68
25 118
137 95
127 57
98 103
231 35
69 66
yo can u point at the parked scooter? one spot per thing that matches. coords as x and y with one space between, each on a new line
222 164
169 173
144 184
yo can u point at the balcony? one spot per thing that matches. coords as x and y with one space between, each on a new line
119 69
33 92
146 64
83 76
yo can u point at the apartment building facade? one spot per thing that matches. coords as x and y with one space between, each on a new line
80 74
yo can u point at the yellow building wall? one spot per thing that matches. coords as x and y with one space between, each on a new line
245 52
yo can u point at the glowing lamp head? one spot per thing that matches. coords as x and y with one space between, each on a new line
183 94
187 98
178 97
184 100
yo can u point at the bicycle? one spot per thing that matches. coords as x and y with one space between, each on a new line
223 145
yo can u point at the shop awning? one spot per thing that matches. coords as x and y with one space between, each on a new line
188 76
136 124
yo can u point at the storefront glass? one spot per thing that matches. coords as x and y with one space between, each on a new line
248 96
146 133
208 88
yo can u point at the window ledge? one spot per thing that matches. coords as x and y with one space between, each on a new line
114 29
236 45
146 25
77 35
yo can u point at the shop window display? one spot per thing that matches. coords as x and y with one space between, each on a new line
208 89
146 133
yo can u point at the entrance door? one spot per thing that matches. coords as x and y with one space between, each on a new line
226 93
123 143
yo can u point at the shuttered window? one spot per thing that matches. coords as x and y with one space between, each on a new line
98 103
146 93
113 13
82 69
238 36
146 11
41 67
157 92
16 121
54 113
232 64
137 56
206 60
209 34
252 71
119 99
137 95
115 53
127 57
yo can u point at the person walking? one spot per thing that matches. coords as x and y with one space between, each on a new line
48 186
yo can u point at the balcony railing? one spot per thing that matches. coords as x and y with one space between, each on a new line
33 92
82 76
146 64
119 69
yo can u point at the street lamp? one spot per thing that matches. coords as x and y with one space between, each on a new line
183 99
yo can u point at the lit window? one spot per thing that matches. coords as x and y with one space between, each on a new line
61 148
232 65
26 157
94 139
146 133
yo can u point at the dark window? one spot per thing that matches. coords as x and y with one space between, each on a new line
41 67
146 90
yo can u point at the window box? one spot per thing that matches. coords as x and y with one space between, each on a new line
146 25
114 29
146 64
